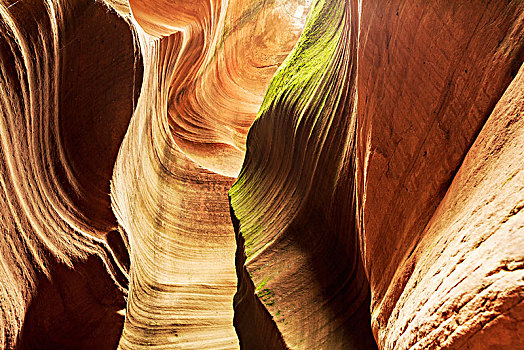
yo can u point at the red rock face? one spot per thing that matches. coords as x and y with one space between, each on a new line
429 78
465 273
223 174
228 54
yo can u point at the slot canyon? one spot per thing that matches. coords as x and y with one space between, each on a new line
262 174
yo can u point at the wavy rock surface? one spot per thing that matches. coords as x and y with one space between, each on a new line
62 282
379 154
428 77
207 67
293 199
229 52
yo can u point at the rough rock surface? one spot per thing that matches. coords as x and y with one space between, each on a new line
379 149
429 78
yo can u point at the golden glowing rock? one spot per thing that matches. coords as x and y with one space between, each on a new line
261 174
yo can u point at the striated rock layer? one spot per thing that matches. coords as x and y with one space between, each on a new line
228 54
63 283
207 66
293 198
361 180
379 152
182 276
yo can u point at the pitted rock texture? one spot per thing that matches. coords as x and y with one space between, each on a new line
261 174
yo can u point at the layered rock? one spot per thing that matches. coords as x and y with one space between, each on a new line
378 203
207 67
294 202
62 284
229 52
181 251
428 77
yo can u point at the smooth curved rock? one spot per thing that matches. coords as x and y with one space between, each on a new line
379 191
174 168
420 104
57 153
229 52
293 199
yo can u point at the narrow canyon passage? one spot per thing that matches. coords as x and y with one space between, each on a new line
180 156
261 174
182 277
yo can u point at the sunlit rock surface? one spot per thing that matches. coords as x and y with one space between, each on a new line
326 174
69 79
205 80
384 152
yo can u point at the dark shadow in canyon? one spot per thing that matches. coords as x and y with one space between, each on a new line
76 308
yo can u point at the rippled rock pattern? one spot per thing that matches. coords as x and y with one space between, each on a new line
337 177
69 79
261 174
